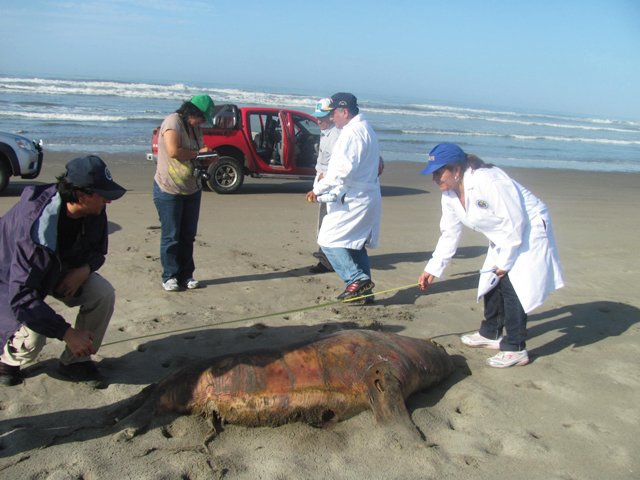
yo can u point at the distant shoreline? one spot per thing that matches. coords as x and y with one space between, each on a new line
115 117
135 157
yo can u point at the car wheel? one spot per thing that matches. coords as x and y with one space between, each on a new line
4 175
226 175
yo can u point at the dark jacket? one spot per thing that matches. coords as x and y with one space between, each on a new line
30 267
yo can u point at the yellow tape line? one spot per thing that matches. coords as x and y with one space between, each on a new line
257 317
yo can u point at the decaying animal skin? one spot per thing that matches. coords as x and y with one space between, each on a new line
318 382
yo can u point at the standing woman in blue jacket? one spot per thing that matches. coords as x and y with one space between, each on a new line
522 265
53 242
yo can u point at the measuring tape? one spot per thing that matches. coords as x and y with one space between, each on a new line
257 317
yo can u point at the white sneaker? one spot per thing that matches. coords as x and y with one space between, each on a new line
477 340
171 285
192 283
508 359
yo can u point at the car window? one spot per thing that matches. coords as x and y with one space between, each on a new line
225 116
309 126
307 136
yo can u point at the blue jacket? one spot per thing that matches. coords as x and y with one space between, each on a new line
30 267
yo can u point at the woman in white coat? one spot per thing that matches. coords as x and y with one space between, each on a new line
522 265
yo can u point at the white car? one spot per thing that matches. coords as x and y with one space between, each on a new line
19 157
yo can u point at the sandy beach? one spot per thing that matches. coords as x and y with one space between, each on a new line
571 414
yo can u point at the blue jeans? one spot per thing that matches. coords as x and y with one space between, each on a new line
350 265
502 308
179 225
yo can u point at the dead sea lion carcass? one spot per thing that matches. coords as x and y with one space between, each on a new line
318 382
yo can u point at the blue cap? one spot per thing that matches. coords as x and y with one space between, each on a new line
444 154
344 100
92 173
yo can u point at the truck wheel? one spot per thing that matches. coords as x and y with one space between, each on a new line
226 175
4 175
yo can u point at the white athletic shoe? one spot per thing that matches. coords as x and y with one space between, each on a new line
508 359
192 283
477 340
171 285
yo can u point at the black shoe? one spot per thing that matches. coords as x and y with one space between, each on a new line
319 268
370 300
83 372
323 260
356 289
9 375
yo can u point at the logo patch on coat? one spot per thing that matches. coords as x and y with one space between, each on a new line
482 204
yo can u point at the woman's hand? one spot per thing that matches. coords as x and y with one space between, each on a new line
208 160
425 280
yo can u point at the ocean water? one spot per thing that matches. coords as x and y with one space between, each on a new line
101 116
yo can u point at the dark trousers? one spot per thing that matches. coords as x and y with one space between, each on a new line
179 224
322 258
502 309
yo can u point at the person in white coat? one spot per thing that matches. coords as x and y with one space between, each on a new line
352 222
522 266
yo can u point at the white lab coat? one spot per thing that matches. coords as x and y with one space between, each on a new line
352 169
518 227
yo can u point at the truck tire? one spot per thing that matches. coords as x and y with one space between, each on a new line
5 173
226 175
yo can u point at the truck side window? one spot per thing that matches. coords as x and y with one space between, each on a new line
307 136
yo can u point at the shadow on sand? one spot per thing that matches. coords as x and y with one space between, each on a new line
581 325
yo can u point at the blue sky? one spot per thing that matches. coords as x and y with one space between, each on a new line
568 56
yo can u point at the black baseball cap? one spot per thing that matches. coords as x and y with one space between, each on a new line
91 172
344 100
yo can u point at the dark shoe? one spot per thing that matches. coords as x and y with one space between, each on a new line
319 268
370 300
9 375
83 372
356 289
323 260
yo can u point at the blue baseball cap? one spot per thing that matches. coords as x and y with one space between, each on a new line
92 173
444 154
344 100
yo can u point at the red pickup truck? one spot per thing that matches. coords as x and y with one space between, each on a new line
257 141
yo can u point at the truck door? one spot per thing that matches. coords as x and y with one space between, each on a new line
301 136
288 141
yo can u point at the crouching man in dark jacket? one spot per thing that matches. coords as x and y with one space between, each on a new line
53 242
